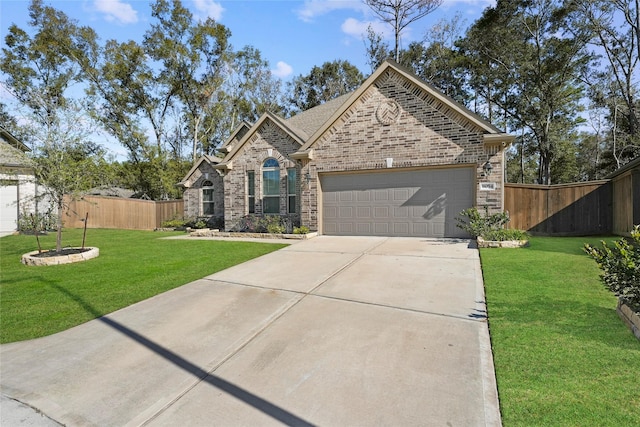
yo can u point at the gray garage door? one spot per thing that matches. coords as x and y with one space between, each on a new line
422 203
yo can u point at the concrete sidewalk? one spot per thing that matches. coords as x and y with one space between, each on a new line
328 331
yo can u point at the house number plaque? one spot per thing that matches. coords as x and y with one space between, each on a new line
487 186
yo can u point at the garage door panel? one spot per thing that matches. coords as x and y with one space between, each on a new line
363 212
401 228
363 196
401 194
414 203
345 212
381 228
346 228
401 212
345 196
330 212
381 212
364 229
381 195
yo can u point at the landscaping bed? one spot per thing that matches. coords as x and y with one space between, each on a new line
217 233
630 318
65 256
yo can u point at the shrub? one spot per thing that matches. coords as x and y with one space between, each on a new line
273 224
200 224
488 226
29 222
620 265
479 225
174 223
506 234
303 229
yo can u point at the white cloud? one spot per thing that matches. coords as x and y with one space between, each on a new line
358 29
313 8
117 10
209 9
282 70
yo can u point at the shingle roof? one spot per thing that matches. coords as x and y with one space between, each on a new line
11 156
311 120
8 137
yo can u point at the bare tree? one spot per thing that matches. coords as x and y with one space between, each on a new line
400 13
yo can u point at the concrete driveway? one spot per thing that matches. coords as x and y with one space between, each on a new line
335 331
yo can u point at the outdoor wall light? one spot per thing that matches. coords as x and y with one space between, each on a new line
307 176
487 168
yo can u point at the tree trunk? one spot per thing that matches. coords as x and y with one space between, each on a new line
59 228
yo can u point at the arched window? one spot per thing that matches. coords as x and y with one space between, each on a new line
271 186
207 198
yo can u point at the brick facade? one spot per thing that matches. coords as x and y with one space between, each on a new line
394 122
269 141
192 195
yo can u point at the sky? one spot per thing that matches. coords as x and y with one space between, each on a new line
293 35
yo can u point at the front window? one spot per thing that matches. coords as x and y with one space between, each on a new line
207 198
271 186
291 190
251 191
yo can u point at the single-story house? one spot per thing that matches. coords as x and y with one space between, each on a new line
17 181
396 157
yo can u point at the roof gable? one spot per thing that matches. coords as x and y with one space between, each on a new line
212 160
424 91
298 135
12 157
235 136
8 137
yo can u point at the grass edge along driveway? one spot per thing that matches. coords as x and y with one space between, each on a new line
132 266
562 355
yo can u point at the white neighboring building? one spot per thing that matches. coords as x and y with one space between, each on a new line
18 188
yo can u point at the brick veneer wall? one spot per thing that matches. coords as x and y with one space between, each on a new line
426 133
193 194
251 157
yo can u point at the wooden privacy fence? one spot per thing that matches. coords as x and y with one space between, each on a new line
121 213
572 209
596 207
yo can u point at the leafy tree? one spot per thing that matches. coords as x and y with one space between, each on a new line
521 160
39 74
194 57
400 13
614 29
66 162
377 50
437 60
531 75
139 88
323 84
37 71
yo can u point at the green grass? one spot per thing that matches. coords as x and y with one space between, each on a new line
562 355
132 266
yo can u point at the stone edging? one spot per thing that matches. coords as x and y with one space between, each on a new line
502 244
629 317
216 233
30 259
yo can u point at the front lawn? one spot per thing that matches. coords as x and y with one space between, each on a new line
132 266
562 355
